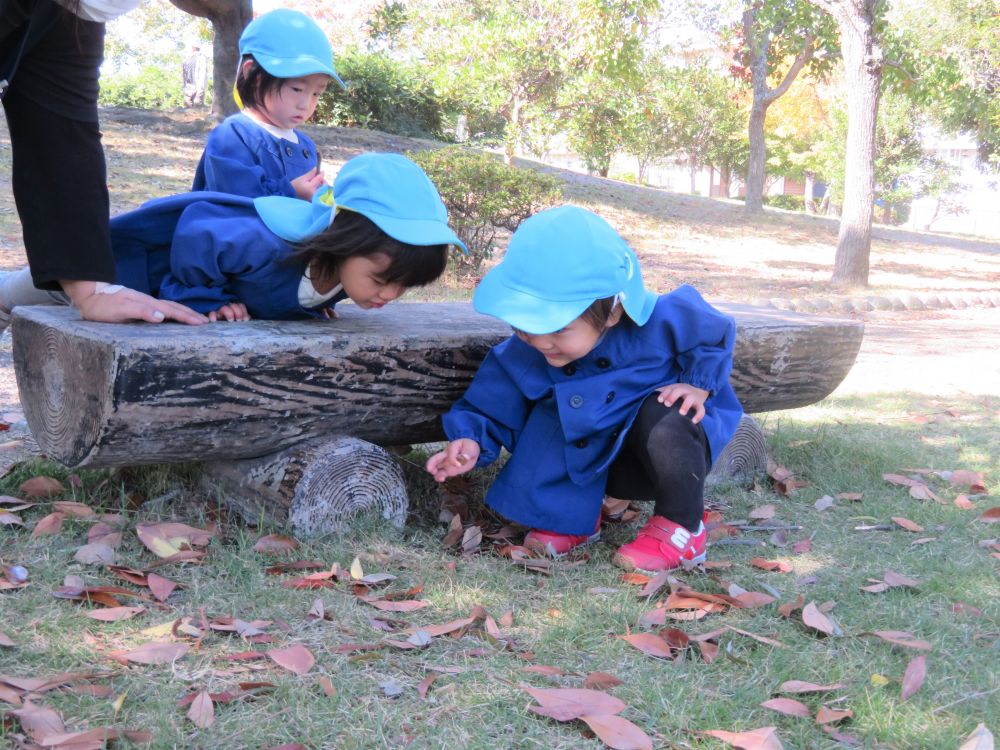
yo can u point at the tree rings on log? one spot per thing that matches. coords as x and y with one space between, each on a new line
316 487
744 458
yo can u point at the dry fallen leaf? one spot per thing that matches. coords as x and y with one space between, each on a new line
827 715
41 487
566 704
965 478
979 739
114 614
600 681
763 512
914 676
764 738
788 706
650 644
5 640
155 652
202 711
798 686
617 733
51 524
901 638
990 516
297 659
816 620
276 544
907 524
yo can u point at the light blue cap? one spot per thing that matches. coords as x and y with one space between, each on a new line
289 44
558 263
388 189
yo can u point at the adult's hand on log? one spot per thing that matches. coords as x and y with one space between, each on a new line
121 305
459 457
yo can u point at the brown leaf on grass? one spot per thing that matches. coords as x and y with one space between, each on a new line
95 553
600 681
202 711
322 580
10 519
101 532
455 532
816 620
965 478
41 487
900 480
617 733
923 492
827 715
566 704
114 614
471 539
72 509
327 686
51 524
788 706
896 579
650 644
709 651
5 640
914 676
159 586
849 496
799 686
39 722
297 659
764 738
979 739
786 609
155 652
387 605
963 502
760 638
771 565
901 638
131 575
907 524
297 565
545 670
960 608
784 481
276 544
990 516
763 512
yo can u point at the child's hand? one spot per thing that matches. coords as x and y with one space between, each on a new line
307 184
232 311
460 456
691 398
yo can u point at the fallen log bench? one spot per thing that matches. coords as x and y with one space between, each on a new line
290 416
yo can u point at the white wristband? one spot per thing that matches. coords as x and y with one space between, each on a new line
103 287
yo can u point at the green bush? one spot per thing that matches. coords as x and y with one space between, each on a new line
484 196
790 202
150 88
382 94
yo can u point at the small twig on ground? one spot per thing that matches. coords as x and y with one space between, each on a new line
967 697
751 527
751 542
878 527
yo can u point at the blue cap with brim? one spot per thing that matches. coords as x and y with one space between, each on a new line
558 263
388 189
289 44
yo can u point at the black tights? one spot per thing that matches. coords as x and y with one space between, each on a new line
665 458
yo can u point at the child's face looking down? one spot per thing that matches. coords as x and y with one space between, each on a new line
295 100
570 343
362 278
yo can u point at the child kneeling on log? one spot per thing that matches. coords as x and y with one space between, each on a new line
604 388
382 229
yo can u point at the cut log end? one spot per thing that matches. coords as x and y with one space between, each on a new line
744 458
317 487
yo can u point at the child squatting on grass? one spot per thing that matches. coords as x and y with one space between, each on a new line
285 65
383 228
604 388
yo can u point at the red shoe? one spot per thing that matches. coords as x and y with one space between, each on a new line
662 545
552 544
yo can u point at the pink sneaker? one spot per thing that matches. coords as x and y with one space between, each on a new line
662 545
552 544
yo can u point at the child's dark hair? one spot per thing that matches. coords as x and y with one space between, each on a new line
253 83
353 234
599 312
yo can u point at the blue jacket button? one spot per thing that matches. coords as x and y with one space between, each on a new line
288 151
604 363
581 443
576 401
570 369
610 398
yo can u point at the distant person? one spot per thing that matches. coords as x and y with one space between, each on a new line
281 258
50 56
605 387
286 65
195 77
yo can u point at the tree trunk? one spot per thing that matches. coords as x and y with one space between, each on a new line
758 154
693 174
513 131
725 179
228 17
863 62
810 192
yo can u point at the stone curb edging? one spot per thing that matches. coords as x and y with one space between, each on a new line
869 303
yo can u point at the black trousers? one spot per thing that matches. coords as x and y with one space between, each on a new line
59 175
665 458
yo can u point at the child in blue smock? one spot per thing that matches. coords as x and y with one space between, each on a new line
604 388
286 63
380 230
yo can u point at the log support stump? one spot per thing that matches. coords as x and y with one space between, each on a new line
315 488
744 458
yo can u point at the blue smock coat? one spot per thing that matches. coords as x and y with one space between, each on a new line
242 158
564 426
206 250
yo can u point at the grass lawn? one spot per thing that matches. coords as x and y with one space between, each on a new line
397 641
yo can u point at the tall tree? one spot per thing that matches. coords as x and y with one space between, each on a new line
864 63
775 32
228 18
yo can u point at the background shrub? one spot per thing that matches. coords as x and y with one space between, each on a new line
791 202
150 88
484 197
382 94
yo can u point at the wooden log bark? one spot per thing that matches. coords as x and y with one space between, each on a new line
316 487
744 458
98 394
